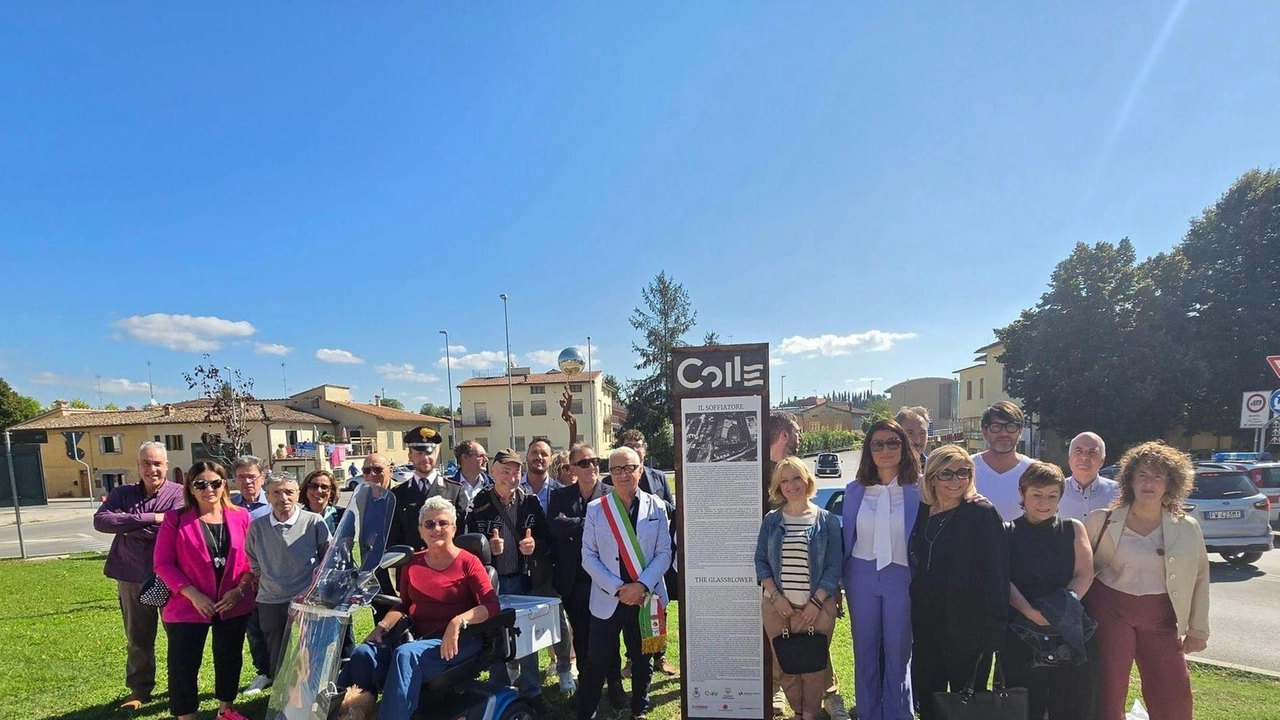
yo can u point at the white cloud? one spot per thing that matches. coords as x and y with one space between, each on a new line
108 386
460 349
341 357
272 349
404 372
777 361
183 332
482 360
835 345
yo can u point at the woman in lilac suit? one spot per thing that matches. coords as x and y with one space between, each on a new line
880 507
200 556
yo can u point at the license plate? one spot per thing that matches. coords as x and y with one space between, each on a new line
1223 514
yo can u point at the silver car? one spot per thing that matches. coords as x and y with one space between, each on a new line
1233 515
1266 477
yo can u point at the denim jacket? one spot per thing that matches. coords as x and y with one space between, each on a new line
825 549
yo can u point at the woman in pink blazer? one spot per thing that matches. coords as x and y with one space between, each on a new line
200 556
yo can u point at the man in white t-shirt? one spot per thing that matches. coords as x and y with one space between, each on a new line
998 468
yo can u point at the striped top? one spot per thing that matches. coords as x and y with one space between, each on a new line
794 578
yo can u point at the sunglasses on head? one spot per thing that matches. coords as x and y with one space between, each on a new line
206 484
585 463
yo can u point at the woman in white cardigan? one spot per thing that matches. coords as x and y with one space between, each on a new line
1151 595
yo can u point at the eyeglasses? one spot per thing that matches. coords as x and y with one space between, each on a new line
949 475
891 444
324 488
585 463
206 484
623 469
433 524
1008 427
373 469
248 477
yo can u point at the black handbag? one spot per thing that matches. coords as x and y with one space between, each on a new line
153 593
801 653
1001 703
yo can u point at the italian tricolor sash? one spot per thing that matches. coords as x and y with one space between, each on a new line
653 615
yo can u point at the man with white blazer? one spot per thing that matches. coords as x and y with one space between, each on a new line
616 592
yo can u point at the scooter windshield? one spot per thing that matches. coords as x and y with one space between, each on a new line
320 618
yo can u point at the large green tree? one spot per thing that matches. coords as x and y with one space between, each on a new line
664 320
1229 304
1090 355
16 408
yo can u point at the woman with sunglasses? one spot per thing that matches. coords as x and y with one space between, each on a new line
201 558
320 496
880 509
444 590
959 581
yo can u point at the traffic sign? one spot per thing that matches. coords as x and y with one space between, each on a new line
73 439
1275 402
1255 410
1274 362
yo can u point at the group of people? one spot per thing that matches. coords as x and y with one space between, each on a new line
555 526
949 562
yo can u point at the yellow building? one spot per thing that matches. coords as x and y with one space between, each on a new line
112 437
536 409
981 385
367 427
824 414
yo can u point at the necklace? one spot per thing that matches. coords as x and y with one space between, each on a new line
219 537
931 540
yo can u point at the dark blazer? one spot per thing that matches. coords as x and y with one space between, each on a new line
404 528
973 578
485 516
566 513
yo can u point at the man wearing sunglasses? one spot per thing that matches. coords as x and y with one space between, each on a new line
998 468
566 512
427 482
133 513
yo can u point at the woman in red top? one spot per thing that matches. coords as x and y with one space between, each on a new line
443 589
200 555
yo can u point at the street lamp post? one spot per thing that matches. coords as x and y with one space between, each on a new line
511 416
448 374
591 394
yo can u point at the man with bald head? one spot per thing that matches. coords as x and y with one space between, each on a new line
1085 490
133 513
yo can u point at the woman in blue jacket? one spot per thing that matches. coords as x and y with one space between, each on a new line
880 508
798 567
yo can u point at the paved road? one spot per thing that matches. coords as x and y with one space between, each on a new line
1244 609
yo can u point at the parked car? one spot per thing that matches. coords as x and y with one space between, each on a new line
1266 477
1109 472
828 465
831 498
402 473
1234 516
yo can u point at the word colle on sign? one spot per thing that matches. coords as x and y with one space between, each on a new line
734 372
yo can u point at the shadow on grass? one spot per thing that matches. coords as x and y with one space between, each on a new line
159 708
81 606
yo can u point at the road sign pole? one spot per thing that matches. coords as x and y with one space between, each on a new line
13 488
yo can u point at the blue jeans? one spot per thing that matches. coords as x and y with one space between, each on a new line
402 671
530 682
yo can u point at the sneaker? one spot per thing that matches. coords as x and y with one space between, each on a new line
229 714
779 703
834 706
567 685
259 683
538 704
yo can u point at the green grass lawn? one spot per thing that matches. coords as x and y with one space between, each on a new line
64 657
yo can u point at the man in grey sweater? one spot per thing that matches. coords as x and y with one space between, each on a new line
285 548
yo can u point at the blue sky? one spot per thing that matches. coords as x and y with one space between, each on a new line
869 187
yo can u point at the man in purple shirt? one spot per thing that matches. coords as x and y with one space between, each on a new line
133 514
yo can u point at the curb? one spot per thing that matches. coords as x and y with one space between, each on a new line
1234 666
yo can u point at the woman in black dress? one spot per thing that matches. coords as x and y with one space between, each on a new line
959 581
1050 568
